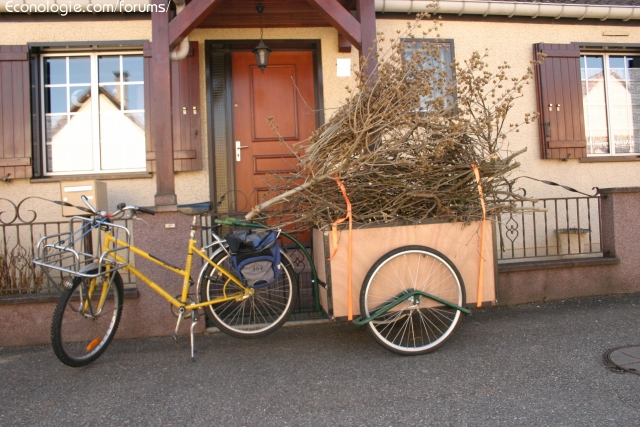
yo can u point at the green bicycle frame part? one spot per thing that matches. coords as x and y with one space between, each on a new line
400 298
233 222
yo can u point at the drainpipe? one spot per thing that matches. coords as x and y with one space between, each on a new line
512 8
183 48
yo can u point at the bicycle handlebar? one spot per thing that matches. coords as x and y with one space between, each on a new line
145 210
120 209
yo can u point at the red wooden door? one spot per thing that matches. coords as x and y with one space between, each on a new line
285 91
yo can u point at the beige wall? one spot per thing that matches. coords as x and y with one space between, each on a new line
190 186
512 42
133 191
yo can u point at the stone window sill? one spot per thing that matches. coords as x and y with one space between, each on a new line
96 176
607 159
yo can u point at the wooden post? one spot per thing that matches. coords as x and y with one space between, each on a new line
160 108
367 17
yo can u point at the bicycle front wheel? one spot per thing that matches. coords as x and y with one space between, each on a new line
255 316
81 329
418 325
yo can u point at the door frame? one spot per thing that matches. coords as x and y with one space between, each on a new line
225 48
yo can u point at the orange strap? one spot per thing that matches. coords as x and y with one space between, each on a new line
334 231
484 220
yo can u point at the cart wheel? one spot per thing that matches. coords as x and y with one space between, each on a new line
419 324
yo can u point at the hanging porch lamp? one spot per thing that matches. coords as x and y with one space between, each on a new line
261 51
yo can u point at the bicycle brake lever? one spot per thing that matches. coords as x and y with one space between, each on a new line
139 219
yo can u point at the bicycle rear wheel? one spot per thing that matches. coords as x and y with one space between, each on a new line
418 325
260 314
80 330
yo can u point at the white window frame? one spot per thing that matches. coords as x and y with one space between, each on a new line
95 110
605 59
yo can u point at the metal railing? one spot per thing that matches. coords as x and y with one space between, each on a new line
555 228
19 235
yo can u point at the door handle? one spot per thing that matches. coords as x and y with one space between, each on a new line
239 147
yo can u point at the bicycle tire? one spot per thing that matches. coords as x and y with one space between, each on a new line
79 339
418 325
257 316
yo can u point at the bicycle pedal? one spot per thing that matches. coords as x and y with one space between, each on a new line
174 336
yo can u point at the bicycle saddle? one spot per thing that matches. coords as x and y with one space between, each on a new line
195 208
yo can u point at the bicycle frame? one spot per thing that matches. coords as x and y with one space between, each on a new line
110 240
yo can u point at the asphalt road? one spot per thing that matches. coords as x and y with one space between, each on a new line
531 365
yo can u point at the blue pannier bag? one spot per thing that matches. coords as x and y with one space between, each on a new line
255 254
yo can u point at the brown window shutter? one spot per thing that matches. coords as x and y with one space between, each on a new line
185 82
185 97
562 133
15 112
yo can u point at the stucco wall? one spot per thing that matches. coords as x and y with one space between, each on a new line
190 186
511 41
506 41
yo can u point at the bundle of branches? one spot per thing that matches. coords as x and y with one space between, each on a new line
405 142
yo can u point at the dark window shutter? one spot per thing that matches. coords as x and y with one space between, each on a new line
185 98
15 112
185 82
562 133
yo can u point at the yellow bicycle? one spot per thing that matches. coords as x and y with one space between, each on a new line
90 307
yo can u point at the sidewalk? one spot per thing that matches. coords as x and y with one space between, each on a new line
532 365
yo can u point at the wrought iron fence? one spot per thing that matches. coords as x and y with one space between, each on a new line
19 235
554 228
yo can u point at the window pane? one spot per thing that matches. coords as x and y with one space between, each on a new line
80 99
620 117
108 69
635 114
436 56
617 68
70 149
134 97
618 93
110 93
53 125
623 141
122 134
595 67
634 92
55 71
79 69
594 92
133 68
633 67
55 100
597 142
596 117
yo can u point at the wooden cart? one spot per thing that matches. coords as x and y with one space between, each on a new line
410 283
